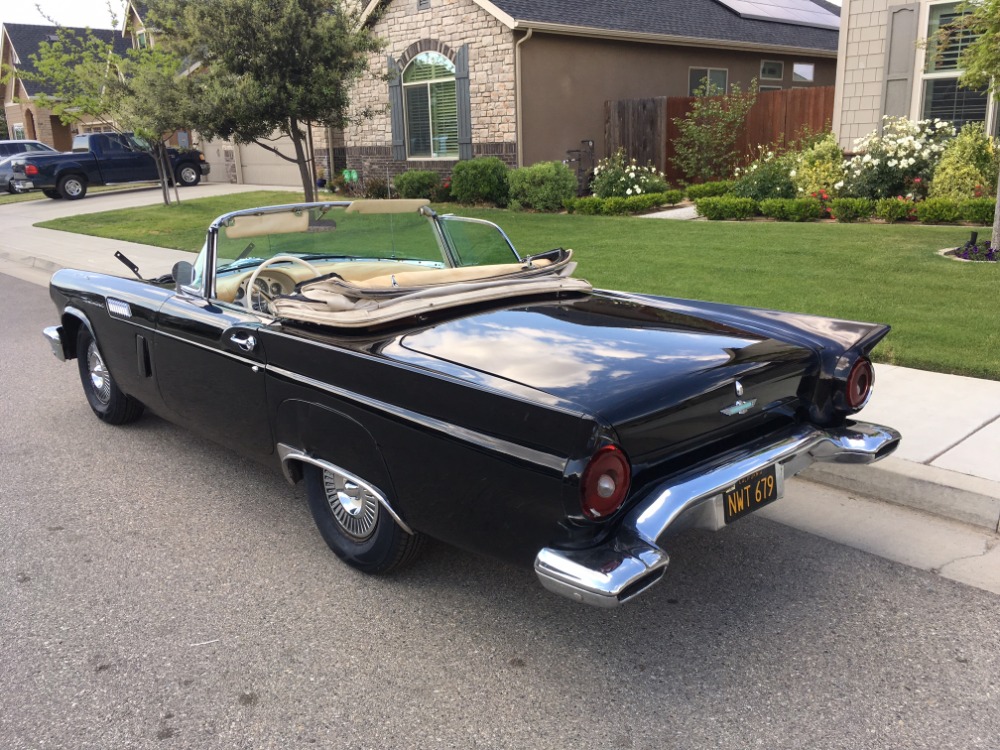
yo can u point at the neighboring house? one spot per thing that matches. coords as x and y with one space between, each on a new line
25 119
526 80
884 69
232 162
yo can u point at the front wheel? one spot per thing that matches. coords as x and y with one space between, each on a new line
72 187
355 525
188 175
107 400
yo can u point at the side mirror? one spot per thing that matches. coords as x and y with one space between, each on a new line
183 273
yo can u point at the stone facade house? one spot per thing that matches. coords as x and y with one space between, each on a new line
25 118
884 69
526 80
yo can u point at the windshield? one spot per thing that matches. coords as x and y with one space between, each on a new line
274 249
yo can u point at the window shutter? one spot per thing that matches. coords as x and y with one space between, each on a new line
464 103
900 58
396 111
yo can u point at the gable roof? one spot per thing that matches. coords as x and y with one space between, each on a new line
25 39
693 22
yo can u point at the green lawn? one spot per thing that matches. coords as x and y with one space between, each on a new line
945 315
36 195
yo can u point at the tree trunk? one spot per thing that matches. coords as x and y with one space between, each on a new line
158 160
308 186
168 170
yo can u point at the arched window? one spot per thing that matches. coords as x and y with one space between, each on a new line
431 107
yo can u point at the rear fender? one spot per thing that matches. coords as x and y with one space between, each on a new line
327 434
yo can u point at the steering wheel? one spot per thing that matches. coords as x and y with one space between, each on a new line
248 298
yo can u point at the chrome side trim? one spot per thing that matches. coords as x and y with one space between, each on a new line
287 454
119 308
488 442
633 560
53 334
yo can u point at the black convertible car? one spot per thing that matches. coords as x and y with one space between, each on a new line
423 378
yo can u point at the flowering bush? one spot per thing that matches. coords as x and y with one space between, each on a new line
768 176
616 178
977 251
885 163
969 164
820 168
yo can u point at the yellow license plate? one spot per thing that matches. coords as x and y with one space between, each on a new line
750 493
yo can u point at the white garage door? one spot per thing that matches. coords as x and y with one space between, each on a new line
261 167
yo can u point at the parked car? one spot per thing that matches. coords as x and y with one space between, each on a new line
425 379
101 159
10 148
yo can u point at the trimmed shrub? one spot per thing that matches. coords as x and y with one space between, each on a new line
417 183
589 206
669 197
614 206
792 209
709 189
978 210
442 191
543 186
938 211
847 210
892 210
481 180
727 207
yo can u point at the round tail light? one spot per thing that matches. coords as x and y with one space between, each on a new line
605 482
860 383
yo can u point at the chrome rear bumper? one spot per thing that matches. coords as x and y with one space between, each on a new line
53 334
633 560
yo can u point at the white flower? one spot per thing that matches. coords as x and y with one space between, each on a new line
632 175
892 162
792 173
875 162
867 158
838 185
926 154
638 190
628 192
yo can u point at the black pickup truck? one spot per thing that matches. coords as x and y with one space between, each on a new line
101 159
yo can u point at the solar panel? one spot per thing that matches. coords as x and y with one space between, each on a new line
798 12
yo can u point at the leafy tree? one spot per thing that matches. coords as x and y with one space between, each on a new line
266 66
706 147
83 79
980 60
3 126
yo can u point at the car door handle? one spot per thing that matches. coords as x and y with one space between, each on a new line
246 342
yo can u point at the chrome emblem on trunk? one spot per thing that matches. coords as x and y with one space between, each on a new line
740 407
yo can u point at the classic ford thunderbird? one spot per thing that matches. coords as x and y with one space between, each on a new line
426 380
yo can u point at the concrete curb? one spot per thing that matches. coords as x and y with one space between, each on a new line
949 494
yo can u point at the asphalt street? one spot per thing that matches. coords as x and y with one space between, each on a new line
158 591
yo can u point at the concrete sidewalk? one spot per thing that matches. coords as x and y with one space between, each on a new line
948 463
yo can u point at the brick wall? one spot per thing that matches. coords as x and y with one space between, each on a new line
450 23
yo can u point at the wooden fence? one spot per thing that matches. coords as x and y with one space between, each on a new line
645 127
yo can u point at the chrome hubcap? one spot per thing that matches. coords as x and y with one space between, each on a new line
99 378
354 508
188 175
73 187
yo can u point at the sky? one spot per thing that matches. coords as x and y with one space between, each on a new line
93 13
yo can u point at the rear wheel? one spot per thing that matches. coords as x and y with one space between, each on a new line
188 175
107 400
72 187
50 193
355 525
